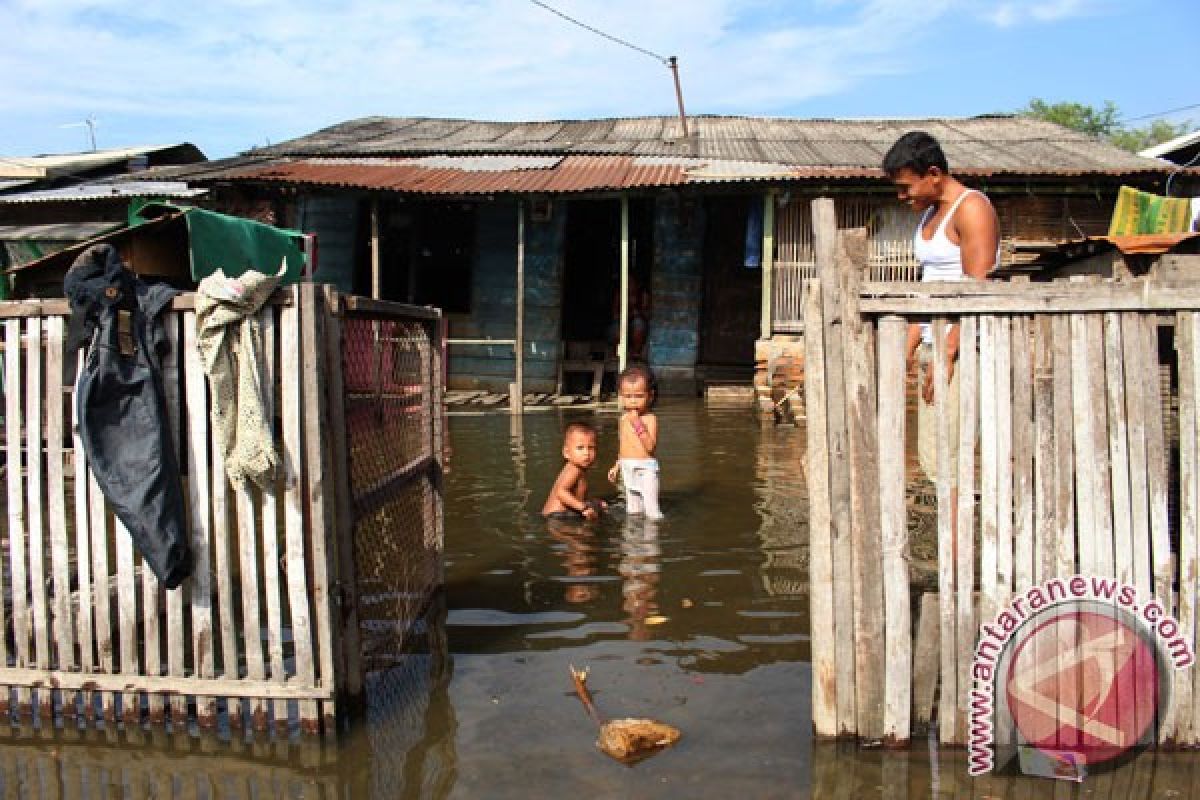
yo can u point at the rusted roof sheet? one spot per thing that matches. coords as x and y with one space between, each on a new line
443 176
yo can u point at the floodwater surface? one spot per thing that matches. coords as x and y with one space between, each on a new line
699 621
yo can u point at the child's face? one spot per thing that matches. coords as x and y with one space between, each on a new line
635 395
580 449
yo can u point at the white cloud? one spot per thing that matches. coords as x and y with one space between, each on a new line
228 74
1016 12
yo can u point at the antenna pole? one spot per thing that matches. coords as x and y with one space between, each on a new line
673 63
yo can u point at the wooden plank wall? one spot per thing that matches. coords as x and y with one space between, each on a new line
92 632
1067 473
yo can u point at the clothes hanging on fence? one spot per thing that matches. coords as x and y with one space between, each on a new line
230 342
123 421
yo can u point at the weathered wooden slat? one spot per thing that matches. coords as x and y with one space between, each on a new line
1187 349
1139 499
948 722
22 519
1046 545
1004 470
200 504
821 603
344 507
824 222
1023 429
83 554
270 517
294 508
162 684
1118 450
151 636
1064 479
171 366
1156 462
1084 444
898 673
964 510
223 563
13 417
100 526
320 489
248 535
925 661
999 297
989 556
127 617
1101 471
56 505
35 499
858 353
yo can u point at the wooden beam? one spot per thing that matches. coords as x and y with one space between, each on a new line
623 341
516 395
768 265
159 684
979 297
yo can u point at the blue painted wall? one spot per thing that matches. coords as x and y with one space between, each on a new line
676 285
493 302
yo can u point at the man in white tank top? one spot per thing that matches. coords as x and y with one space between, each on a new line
957 237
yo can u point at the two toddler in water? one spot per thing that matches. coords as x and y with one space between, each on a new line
638 437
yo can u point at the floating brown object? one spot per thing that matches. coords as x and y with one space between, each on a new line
627 740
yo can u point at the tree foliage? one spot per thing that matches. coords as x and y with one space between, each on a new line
1105 123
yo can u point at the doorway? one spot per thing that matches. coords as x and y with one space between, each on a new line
731 308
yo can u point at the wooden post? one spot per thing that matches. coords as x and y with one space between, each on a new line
825 247
947 586
1023 428
376 255
516 394
825 677
966 626
858 354
1043 460
766 326
623 341
1187 345
1139 497
894 531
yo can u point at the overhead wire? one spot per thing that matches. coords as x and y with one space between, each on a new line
599 32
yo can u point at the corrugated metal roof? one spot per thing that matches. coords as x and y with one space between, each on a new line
448 175
455 156
49 166
6 184
105 191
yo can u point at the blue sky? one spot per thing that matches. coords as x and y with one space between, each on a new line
228 75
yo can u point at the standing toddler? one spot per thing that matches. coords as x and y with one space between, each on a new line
638 437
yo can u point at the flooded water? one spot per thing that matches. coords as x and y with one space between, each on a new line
699 621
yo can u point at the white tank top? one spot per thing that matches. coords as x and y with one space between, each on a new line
940 258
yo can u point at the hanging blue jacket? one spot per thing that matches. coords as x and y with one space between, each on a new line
123 421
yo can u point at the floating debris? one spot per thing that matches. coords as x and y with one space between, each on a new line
627 740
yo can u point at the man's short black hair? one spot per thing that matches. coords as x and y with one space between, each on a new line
915 150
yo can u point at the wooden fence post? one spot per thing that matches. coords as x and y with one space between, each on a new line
825 675
898 641
825 246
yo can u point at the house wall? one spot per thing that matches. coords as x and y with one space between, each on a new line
676 286
493 303
334 219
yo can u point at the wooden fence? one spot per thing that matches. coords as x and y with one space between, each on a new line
1069 473
267 628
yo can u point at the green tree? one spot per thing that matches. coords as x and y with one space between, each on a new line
1077 116
1105 123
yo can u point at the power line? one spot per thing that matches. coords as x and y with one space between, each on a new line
1161 113
599 32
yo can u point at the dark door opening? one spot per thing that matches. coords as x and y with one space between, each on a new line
730 320
592 272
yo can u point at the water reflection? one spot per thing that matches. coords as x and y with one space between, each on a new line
700 620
